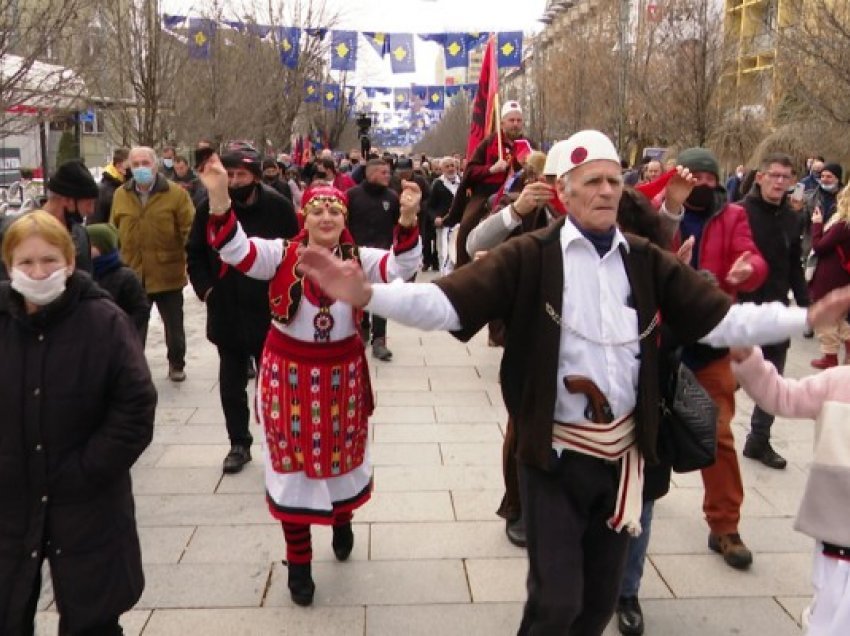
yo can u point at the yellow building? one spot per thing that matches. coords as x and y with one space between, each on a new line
752 85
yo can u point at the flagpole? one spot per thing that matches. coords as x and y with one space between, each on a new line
496 110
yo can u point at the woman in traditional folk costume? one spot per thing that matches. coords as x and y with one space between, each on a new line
313 397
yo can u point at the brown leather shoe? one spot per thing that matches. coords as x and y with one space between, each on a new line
733 550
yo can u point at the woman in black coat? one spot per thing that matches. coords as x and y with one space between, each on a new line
78 410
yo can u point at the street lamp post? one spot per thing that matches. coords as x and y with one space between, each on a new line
621 84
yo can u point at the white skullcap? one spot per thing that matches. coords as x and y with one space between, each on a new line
550 168
511 107
585 146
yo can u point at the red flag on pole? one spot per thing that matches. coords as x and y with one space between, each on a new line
483 108
298 151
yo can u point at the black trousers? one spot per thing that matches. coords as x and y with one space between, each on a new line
109 627
575 560
760 422
232 389
374 324
428 235
169 304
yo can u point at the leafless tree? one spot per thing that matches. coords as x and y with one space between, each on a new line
33 76
449 135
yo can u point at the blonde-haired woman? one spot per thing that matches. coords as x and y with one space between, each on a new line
831 245
78 410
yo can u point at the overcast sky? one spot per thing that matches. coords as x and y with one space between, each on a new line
417 16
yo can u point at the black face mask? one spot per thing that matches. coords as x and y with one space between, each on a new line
242 193
73 217
269 178
701 199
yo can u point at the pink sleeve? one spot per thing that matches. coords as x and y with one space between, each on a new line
782 396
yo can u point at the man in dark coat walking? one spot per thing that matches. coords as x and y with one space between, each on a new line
237 306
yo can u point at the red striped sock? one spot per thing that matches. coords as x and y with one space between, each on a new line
299 549
342 518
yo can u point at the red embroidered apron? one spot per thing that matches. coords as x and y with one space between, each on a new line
316 399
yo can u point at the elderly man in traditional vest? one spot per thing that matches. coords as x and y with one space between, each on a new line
582 304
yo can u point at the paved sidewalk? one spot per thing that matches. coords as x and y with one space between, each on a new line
430 555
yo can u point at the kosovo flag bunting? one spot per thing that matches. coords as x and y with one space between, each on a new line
236 25
201 34
476 39
311 92
173 21
456 53
509 49
401 53
453 91
343 50
289 42
331 96
379 41
316 32
260 30
439 38
470 89
401 98
419 92
436 97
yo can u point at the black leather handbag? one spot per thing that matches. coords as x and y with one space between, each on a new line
688 427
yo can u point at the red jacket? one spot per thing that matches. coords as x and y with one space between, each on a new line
829 272
725 237
343 182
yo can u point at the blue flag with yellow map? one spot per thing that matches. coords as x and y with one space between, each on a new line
331 96
311 92
509 49
401 98
401 53
289 43
201 34
455 50
379 41
436 97
343 50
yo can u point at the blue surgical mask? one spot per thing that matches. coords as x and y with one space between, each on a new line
168 163
143 175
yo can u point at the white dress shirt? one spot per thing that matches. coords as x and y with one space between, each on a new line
595 304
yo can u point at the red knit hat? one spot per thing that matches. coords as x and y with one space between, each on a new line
323 194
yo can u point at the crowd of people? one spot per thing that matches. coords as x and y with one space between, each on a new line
587 273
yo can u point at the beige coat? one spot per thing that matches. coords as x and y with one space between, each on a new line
153 237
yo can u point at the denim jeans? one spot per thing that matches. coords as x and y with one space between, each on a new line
637 553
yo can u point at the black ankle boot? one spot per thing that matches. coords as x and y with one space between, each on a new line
343 541
300 582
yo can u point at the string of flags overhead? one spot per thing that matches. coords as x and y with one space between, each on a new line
331 95
344 45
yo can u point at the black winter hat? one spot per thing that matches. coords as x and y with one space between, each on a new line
248 159
835 168
72 179
699 160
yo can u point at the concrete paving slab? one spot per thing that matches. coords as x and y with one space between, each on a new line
151 456
794 606
403 415
406 507
411 478
200 510
712 617
313 621
706 575
378 583
453 540
492 619
173 415
763 535
164 544
470 414
467 454
198 455
195 434
786 501
193 585
405 454
476 505
175 481
438 433
133 622
443 398
264 544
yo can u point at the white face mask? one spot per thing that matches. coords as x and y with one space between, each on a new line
42 291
